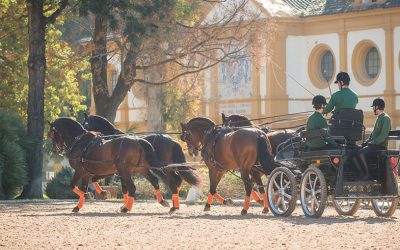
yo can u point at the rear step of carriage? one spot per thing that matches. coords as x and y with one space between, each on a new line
363 189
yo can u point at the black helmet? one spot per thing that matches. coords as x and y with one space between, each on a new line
378 102
318 101
343 77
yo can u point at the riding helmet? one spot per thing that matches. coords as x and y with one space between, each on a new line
318 101
378 102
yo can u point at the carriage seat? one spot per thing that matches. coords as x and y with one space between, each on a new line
347 123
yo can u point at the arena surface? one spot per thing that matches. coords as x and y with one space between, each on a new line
52 225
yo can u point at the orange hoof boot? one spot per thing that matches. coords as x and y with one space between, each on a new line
173 210
244 212
228 202
207 208
76 209
265 210
124 209
164 203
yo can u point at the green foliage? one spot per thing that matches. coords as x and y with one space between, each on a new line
13 145
64 67
60 186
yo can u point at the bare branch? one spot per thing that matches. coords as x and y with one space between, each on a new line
52 18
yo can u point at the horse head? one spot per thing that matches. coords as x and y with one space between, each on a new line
63 132
193 133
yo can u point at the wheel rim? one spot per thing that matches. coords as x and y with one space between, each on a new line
311 193
279 189
345 205
383 205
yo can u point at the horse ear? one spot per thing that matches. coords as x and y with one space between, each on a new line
183 126
223 118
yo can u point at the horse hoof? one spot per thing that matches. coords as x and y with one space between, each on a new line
164 203
104 195
265 210
228 202
261 202
88 196
124 210
244 212
173 209
76 209
207 208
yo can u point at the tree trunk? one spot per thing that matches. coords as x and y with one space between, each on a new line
154 109
107 104
37 69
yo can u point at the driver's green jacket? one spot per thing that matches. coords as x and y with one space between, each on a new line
317 121
344 98
379 135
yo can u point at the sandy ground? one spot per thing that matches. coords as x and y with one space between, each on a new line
99 225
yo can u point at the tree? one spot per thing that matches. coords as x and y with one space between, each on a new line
37 22
149 34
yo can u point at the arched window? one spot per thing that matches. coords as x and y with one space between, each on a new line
372 62
327 65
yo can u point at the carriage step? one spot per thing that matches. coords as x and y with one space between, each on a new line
360 183
366 197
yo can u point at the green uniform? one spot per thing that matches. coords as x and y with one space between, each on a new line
344 98
317 121
381 130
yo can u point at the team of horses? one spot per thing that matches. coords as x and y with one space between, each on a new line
97 149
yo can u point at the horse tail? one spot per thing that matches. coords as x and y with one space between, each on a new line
264 154
151 158
188 174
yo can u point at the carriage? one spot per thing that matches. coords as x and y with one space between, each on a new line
315 175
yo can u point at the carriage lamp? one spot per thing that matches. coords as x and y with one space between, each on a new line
335 160
394 160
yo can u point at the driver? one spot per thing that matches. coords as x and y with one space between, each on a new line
378 140
344 98
317 121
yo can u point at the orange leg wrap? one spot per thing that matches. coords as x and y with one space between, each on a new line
219 198
255 196
97 187
264 196
125 199
210 199
81 197
129 204
158 195
246 204
175 200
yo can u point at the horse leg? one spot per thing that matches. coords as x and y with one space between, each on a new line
85 185
175 183
97 187
257 178
247 185
254 194
126 178
154 182
215 177
77 176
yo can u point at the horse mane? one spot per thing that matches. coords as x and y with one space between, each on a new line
108 127
201 119
66 121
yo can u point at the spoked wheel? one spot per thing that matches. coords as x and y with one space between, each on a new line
384 207
282 192
346 206
313 192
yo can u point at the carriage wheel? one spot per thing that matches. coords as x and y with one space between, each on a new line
313 192
346 206
384 207
282 192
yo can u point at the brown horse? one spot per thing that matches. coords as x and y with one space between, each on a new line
167 150
89 155
275 138
224 150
